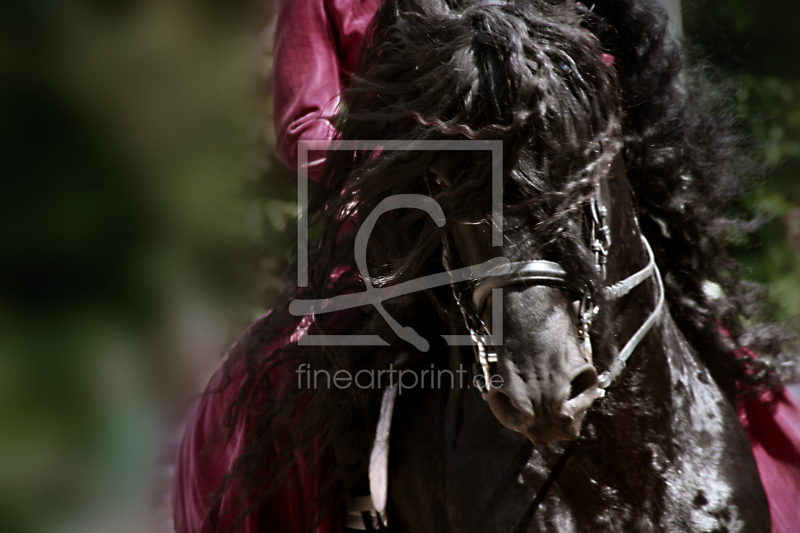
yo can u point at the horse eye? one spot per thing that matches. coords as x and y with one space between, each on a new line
441 167
439 178
565 68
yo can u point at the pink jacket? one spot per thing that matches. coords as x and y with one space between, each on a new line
772 422
316 48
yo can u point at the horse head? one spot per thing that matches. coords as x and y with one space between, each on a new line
548 378
543 87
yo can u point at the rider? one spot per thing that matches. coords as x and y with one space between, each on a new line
316 50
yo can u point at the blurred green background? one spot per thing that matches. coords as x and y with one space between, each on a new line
756 44
146 220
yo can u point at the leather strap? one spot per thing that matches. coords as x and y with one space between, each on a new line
534 272
606 378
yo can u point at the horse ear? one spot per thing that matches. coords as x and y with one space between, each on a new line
442 168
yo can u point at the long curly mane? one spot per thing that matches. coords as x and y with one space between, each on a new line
531 73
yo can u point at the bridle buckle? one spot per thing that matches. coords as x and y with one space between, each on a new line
481 368
586 315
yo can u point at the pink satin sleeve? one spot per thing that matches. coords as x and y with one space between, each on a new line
203 460
316 47
772 422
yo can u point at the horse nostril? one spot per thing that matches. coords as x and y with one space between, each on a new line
582 382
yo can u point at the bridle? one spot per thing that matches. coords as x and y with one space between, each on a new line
372 516
541 272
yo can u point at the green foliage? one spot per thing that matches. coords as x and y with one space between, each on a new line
146 221
754 43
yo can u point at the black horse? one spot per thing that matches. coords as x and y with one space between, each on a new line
615 157
663 451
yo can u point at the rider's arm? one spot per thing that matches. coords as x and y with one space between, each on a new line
316 46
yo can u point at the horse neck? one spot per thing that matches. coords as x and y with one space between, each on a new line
658 370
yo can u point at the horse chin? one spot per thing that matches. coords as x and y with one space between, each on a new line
544 428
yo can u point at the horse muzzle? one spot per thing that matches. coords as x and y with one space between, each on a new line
547 414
